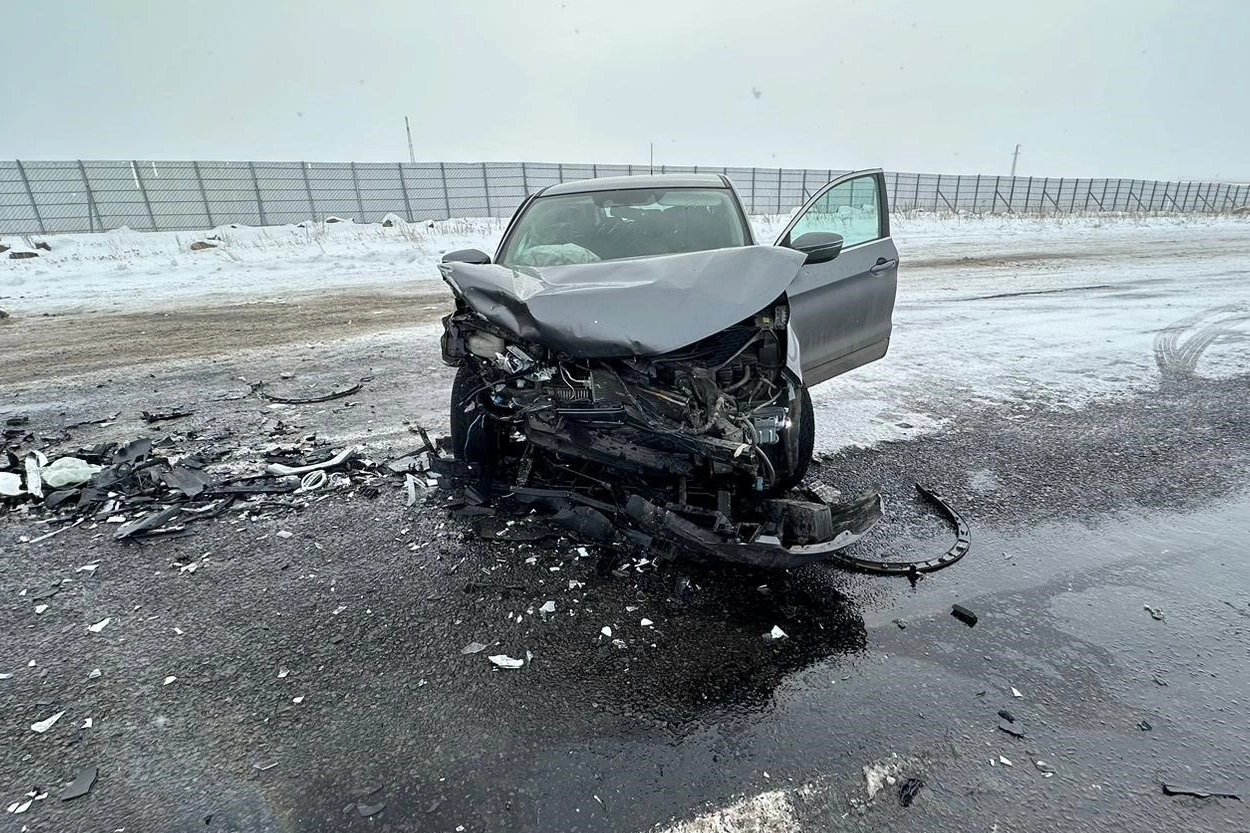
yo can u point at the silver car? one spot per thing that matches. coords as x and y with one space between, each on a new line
634 358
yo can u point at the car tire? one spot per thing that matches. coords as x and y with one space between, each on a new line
796 467
474 435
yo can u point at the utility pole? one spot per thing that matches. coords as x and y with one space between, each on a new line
1014 157
412 157
653 157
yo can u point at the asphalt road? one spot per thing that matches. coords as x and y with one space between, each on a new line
1082 518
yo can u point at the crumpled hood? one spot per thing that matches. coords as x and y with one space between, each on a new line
619 308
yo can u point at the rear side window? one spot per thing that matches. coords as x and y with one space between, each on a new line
612 225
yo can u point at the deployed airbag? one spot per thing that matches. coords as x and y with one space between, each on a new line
619 308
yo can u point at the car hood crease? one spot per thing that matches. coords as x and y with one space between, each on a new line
619 308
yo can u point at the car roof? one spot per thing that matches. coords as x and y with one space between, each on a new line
622 183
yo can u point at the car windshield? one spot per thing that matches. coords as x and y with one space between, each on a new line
611 225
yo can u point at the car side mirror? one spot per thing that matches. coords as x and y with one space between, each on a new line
477 256
819 246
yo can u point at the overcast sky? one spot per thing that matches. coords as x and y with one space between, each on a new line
1140 88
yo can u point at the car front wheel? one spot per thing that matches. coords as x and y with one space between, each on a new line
474 432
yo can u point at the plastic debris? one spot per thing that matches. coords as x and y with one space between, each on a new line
880 773
548 608
41 726
259 387
908 790
39 609
1010 729
95 672
88 723
606 631
1144 725
1046 769
87 568
10 484
69 471
902 625
101 625
284 533
1155 613
297 700
21 806
505 661
82 783
1172 789
1005 761
35 461
1006 715
283 673
337 460
964 615
171 678
1015 692
473 648
646 623
776 633
367 810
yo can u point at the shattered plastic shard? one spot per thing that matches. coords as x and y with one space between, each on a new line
44 725
646 623
95 672
169 679
548 608
297 700
1015 692
101 625
473 648
40 609
775 633
505 661
1004 761
283 673
606 631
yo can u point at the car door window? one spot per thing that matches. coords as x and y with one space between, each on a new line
851 209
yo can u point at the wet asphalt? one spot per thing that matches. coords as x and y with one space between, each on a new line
1081 520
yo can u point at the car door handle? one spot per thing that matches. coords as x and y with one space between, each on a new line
883 265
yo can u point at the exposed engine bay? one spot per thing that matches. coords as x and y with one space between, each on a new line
699 449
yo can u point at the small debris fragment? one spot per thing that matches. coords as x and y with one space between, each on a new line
101 625
473 648
606 631
88 723
285 533
171 678
82 783
902 625
297 700
548 608
367 810
1004 761
1006 715
42 726
505 661
964 615
1015 692
23 806
1046 769
775 633
908 790
1172 789
283 673
1144 725
1011 730
1155 613
646 623
39 609
95 672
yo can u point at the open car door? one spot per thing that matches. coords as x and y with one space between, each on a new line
841 308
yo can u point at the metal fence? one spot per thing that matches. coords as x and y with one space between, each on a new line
71 196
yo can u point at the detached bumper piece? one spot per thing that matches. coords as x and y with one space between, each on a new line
828 528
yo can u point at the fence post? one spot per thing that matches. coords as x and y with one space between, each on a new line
525 178
1115 201
260 205
937 192
1028 192
1228 190
753 172
915 197
91 206
1011 197
403 187
21 169
442 170
894 193
360 203
779 170
805 185
1154 186
199 180
976 193
1185 199
958 179
143 189
1103 199
486 191
1075 185
312 204
560 170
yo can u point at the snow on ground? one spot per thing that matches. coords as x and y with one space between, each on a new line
1034 312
